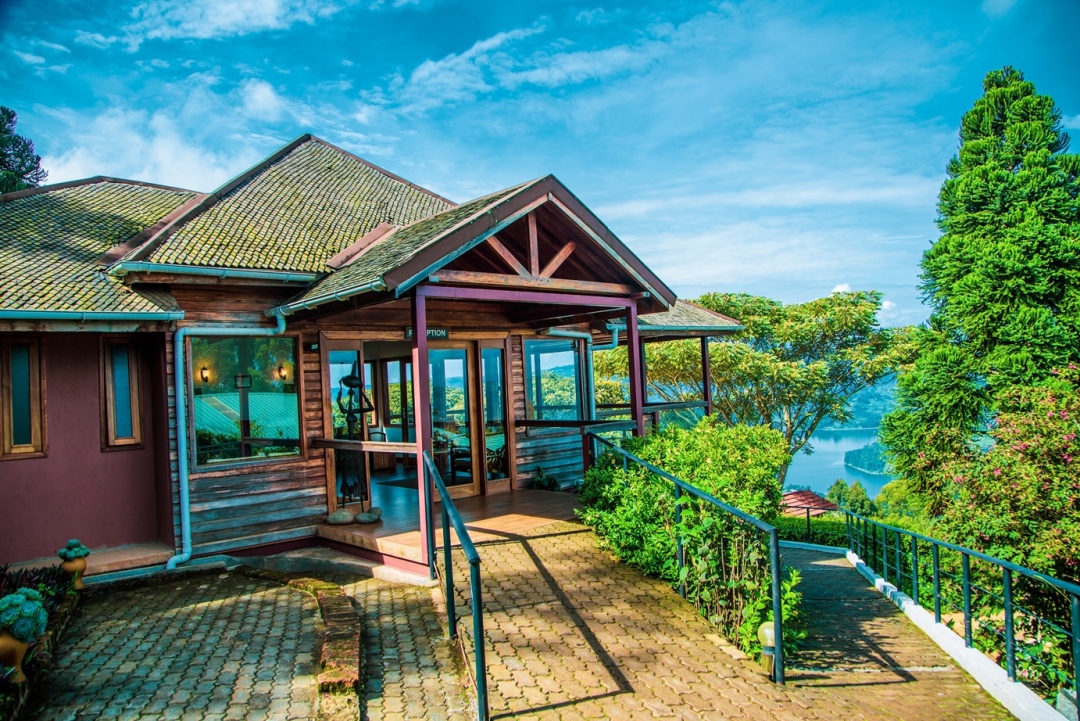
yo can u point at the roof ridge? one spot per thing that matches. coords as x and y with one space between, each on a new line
709 310
92 180
380 169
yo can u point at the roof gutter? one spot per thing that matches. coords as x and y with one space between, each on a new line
290 308
84 316
138 266
678 328
183 470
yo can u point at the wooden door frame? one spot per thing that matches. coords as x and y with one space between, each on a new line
471 408
502 344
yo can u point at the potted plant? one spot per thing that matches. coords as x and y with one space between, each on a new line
73 555
22 620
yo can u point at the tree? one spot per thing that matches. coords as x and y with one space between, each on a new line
1003 280
838 492
858 501
20 167
790 369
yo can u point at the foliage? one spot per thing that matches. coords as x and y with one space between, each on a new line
837 492
23 614
868 459
52 582
897 501
868 407
544 482
1020 500
727 573
1002 280
73 549
852 498
20 166
793 367
825 530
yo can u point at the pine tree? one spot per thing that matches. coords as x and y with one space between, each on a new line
20 167
1003 280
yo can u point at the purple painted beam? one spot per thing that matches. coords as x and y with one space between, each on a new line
523 296
633 352
706 376
422 411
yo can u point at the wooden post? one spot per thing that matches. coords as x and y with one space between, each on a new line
634 356
706 376
422 413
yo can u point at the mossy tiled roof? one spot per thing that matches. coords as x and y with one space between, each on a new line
397 247
51 241
682 316
295 213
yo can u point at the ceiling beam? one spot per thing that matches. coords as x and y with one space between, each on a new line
558 260
509 257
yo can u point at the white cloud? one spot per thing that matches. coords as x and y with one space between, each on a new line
842 288
94 40
887 305
51 46
29 58
201 19
261 100
997 8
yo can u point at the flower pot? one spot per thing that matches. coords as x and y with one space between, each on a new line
12 651
75 567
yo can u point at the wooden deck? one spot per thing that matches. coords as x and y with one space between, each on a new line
487 518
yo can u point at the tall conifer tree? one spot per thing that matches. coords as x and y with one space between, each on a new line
20 166
1003 280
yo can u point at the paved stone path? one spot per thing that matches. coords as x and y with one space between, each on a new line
410 670
209 647
573 633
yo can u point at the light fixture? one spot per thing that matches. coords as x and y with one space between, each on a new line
204 373
282 373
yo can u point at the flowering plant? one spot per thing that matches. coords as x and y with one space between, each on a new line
23 614
72 550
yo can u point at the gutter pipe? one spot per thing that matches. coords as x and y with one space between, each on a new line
137 266
83 316
182 460
290 308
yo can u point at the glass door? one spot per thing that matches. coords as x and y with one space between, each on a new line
493 392
452 416
352 412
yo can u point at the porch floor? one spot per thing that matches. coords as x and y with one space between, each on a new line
487 518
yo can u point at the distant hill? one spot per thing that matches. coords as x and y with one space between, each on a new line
868 407
868 459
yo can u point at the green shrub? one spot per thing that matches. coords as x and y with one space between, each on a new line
73 549
23 615
828 530
727 573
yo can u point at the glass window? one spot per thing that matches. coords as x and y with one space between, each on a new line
20 376
245 398
350 393
552 380
122 418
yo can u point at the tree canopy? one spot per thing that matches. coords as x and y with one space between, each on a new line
790 369
1003 280
20 166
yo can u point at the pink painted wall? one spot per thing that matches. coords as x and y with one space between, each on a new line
77 491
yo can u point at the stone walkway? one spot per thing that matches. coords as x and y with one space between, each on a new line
208 647
410 670
573 634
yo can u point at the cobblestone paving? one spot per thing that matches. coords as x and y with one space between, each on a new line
574 634
410 670
206 647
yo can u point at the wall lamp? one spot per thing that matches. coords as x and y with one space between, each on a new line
204 374
282 372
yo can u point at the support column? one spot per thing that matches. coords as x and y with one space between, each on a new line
706 376
637 377
422 413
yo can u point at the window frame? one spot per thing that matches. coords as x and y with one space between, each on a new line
38 446
300 457
109 439
579 361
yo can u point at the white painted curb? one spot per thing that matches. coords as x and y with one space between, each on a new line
1021 701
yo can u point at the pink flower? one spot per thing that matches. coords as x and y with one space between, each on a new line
1069 436
997 471
1066 457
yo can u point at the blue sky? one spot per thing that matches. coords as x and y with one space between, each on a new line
777 148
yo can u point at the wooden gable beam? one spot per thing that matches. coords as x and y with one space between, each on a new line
468 277
507 256
534 246
558 260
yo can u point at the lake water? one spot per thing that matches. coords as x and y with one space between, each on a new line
821 469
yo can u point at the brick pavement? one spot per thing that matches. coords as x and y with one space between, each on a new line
410 670
208 647
572 633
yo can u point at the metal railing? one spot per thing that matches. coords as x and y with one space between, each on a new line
450 516
681 487
895 553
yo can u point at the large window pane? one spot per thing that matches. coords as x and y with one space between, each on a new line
552 380
22 425
245 402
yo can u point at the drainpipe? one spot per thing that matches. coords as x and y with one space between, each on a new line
182 470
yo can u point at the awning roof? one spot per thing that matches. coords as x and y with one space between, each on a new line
682 320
